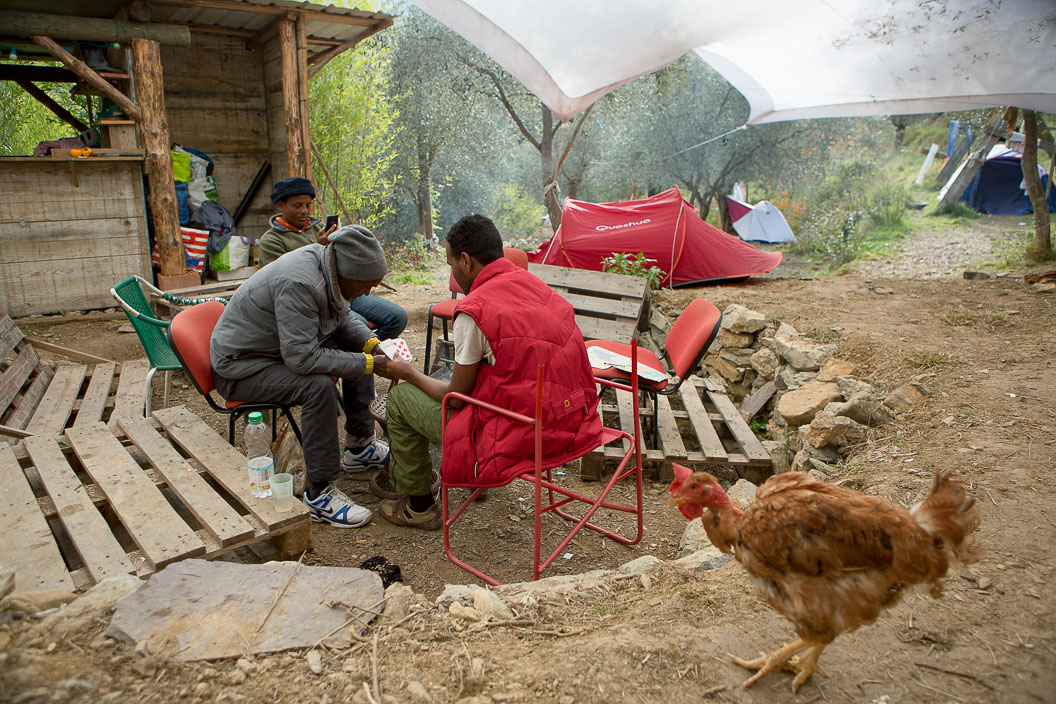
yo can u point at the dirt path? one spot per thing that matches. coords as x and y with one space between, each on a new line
987 350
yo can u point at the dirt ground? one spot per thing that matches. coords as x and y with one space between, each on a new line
986 348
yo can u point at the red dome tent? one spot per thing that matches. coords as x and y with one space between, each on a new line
665 228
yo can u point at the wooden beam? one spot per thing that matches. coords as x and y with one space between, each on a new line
47 101
320 60
302 91
90 28
68 353
295 152
154 129
23 72
258 39
81 69
960 181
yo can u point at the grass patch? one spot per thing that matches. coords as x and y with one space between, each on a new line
413 278
929 359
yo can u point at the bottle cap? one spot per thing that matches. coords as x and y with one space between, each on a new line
256 417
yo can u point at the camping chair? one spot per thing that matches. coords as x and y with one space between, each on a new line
131 294
189 335
542 479
445 310
684 347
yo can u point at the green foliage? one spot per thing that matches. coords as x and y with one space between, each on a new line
929 359
514 210
959 210
633 265
411 256
24 122
414 279
352 127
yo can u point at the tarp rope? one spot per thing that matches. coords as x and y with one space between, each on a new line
708 141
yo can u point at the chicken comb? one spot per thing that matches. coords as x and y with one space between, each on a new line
681 475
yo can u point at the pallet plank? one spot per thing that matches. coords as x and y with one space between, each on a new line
750 444
28 546
10 336
12 380
94 401
131 398
216 515
224 463
670 439
153 524
625 401
57 404
100 552
710 445
23 410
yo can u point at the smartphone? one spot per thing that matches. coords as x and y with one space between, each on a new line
331 220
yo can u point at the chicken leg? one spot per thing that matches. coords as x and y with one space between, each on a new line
784 658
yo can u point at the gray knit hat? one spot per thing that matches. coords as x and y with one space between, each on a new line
358 254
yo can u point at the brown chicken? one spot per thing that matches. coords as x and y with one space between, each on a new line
830 559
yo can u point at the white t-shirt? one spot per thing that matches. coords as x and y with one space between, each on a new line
470 344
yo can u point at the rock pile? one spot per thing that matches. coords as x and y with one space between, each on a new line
820 410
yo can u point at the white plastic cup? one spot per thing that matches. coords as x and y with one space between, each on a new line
282 492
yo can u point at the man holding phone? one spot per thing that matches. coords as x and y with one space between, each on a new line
294 227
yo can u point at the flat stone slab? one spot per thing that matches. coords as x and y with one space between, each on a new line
201 610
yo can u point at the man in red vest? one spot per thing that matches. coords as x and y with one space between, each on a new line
508 324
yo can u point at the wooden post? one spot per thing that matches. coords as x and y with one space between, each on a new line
98 82
302 92
61 112
154 128
98 29
295 152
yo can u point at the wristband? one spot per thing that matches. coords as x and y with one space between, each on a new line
370 344
370 364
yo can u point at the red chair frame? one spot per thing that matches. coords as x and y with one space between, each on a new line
188 327
542 479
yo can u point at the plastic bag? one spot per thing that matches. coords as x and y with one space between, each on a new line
233 256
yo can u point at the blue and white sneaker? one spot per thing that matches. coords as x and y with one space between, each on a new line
333 507
375 456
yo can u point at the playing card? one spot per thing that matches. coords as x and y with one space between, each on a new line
396 349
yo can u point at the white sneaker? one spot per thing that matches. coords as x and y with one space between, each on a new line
333 507
375 456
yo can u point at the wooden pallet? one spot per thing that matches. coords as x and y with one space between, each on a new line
698 425
38 399
93 507
607 306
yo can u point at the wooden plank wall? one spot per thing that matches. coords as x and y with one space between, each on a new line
215 100
272 57
65 241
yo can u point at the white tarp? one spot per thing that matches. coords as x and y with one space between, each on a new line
792 59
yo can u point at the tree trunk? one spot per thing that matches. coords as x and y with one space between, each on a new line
424 200
725 221
900 130
154 129
1042 237
546 153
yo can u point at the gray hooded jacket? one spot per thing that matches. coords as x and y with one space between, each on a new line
290 312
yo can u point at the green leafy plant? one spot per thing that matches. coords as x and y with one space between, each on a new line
516 211
633 265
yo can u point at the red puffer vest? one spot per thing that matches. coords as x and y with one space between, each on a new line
526 323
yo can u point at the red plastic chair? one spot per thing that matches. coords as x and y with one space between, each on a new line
445 310
189 335
684 347
557 496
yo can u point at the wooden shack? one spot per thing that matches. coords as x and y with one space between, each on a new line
226 77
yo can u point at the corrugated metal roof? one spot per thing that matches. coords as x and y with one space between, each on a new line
326 23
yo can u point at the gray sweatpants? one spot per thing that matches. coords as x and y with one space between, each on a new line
318 397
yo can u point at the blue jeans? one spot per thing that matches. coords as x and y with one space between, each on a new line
389 317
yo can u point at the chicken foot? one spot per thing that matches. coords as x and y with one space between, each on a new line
785 659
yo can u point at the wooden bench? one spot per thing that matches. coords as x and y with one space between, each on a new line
94 506
38 399
607 306
698 425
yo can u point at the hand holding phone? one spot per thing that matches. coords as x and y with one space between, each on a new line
331 221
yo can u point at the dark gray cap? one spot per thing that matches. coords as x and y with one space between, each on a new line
358 254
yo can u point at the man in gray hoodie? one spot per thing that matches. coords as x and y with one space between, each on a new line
283 336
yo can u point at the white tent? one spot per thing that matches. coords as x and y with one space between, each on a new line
791 59
762 222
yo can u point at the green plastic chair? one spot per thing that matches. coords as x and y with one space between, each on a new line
132 295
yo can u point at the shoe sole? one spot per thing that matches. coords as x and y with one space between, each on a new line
320 519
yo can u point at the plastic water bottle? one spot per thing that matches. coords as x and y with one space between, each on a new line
258 450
